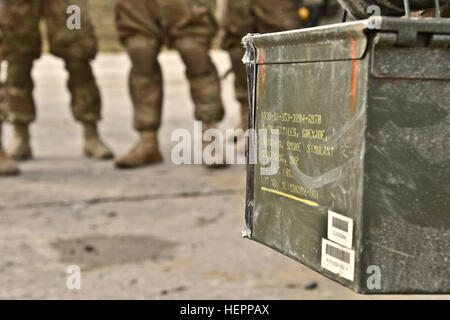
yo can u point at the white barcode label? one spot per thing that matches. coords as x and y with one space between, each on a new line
340 229
338 259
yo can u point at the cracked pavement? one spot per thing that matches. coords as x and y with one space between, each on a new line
162 232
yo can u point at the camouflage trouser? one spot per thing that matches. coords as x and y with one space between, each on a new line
19 23
187 25
2 88
2 100
254 16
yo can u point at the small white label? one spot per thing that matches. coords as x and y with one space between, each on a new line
338 259
340 229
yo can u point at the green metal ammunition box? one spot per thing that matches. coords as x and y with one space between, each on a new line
362 194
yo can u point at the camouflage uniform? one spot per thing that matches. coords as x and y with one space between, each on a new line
20 22
188 26
2 89
7 165
253 16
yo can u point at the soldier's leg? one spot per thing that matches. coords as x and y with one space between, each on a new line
264 16
205 87
146 90
21 107
203 78
7 165
139 32
238 22
240 83
276 15
192 33
19 21
191 27
78 47
86 105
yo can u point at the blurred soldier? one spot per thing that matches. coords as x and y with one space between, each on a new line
143 27
7 165
310 11
19 21
319 12
253 16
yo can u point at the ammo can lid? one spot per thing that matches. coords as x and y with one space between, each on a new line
343 41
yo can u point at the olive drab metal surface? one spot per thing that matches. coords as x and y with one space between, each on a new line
362 193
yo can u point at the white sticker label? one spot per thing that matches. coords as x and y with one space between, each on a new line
340 229
338 259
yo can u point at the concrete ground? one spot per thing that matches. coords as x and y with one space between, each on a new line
162 232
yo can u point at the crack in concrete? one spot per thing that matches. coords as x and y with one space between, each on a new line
138 198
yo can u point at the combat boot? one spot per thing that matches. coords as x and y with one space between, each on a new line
145 152
94 147
7 165
20 149
210 159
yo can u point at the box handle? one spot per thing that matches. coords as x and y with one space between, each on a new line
438 8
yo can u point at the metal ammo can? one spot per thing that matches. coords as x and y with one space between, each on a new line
362 116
